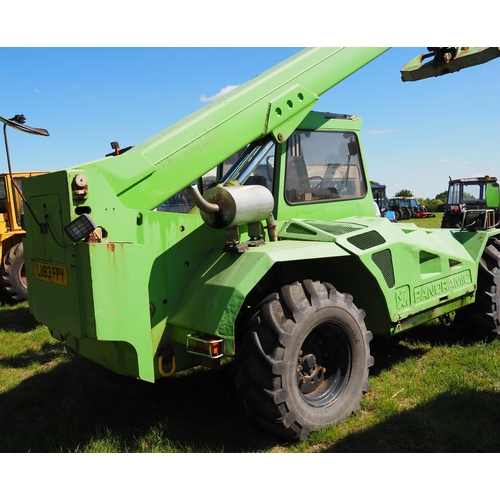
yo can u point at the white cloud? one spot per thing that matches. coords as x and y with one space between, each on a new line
380 132
225 90
36 90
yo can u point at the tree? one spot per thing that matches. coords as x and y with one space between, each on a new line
435 205
404 193
442 196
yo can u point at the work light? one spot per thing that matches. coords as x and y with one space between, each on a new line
80 228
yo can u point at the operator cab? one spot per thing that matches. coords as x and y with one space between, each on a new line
319 165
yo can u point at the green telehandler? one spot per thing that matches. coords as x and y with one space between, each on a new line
278 260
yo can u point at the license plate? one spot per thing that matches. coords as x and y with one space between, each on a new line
51 273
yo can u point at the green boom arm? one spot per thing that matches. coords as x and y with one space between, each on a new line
274 102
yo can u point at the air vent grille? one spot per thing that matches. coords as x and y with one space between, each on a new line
366 240
383 261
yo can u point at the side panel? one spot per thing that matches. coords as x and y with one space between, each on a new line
422 274
121 306
212 297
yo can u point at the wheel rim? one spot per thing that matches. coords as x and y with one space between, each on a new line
324 365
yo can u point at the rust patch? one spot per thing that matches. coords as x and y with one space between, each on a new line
111 246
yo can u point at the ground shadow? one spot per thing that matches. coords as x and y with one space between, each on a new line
78 402
45 353
451 423
17 319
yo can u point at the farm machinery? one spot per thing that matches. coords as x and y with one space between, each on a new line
380 197
466 202
418 210
408 208
277 261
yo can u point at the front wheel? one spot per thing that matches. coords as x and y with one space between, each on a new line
302 362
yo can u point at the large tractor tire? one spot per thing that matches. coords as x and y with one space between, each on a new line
303 360
406 213
486 308
451 221
13 275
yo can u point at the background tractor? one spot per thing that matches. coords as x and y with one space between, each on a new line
466 202
380 197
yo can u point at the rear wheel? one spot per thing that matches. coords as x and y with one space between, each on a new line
13 274
303 360
486 308
406 213
451 221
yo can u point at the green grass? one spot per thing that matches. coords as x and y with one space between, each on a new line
428 222
434 390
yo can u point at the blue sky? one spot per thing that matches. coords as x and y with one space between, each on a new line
415 134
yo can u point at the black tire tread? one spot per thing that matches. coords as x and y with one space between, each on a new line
487 304
9 274
260 366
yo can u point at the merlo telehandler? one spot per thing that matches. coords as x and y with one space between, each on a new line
278 261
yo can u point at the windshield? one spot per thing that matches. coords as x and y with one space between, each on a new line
467 193
259 169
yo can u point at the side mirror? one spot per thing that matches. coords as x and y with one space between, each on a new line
18 122
493 195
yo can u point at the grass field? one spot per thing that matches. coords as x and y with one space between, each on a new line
436 389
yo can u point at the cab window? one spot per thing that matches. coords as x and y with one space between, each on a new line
323 165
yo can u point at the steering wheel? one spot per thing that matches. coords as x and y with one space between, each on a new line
315 178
